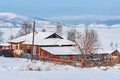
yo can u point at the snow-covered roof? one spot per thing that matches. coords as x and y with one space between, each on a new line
41 38
4 44
50 41
62 50
43 35
102 51
118 50
28 37
22 38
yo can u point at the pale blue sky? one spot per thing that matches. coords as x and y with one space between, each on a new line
51 8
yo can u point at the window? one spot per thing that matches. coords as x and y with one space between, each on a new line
14 47
63 57
77 57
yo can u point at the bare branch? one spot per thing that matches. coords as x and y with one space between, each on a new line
26 29
88 42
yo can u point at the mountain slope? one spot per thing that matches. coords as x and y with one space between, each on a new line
13 20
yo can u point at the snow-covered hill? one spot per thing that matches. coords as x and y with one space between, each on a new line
14 20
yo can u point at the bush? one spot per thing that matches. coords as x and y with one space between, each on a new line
26 55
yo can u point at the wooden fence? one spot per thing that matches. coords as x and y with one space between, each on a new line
84 63
61 62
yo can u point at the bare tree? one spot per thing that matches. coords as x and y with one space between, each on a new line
11 37
59 29
1 36
116 45
26 29
88 42
73 34
111 45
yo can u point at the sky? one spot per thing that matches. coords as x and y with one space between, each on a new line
57 8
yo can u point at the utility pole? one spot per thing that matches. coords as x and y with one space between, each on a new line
33 40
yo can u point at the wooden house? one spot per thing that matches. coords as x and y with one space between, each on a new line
47 44
4 46
116 56
104 54
116 53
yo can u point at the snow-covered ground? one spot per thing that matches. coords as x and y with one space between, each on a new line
20 69
23 69
17 64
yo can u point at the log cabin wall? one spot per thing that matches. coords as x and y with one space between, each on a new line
14 46
26 48
44 53
23 47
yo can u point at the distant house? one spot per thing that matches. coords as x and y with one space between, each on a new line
103 54
47 44
4 46
116 53
116 56
5 50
